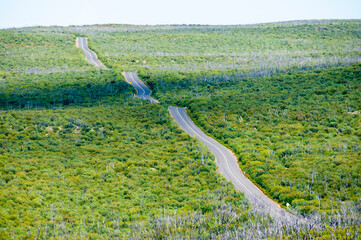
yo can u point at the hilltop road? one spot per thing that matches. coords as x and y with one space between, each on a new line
91 57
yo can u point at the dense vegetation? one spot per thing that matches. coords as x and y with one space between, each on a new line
40 51
100 170
81 158
264 49
254 49
124 169
297 135
31 90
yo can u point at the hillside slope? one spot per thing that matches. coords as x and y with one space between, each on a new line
296 135
81 158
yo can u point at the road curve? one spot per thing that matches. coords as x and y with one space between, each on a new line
228 166
143 92
225 159
91 57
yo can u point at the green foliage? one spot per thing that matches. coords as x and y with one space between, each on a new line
296 135
81 158
116 164
47 90
40 50
254 50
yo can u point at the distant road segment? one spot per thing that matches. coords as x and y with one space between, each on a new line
91 57
143 92
228 166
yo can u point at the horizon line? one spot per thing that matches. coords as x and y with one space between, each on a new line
183 24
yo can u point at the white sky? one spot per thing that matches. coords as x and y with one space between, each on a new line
19 13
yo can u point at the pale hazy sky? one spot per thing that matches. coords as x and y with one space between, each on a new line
19 13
